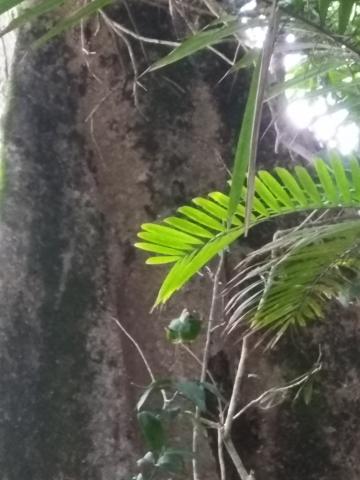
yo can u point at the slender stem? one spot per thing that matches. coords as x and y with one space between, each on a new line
212 8
274 390
137 346
136 36
220 445
198 361
240 468
236 389
205 361
214 298
142 355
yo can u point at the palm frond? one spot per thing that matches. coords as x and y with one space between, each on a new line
296 276
32 12
198 232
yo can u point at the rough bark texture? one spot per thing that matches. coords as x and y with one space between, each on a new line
84 169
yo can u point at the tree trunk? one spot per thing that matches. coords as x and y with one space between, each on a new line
85 167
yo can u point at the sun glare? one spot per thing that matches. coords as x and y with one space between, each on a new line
331 128
248 6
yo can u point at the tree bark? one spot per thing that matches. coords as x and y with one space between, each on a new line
84 168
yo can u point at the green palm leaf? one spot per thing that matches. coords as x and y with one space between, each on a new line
31 12
323 9
197 42
345 9
7 5
298 276
72 20
198 232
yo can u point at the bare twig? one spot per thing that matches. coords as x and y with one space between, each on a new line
236 389
212 8
275 390
133 23
114 28
137 346
155 41
118 27
198 361
205 360
238 463
220 446
142 355
221 416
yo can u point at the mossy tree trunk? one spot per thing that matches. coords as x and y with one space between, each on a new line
84 167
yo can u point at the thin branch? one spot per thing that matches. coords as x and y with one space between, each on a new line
205 361
212 8
137 346
220 447
236 389
274 390
113 28
154 41
238 463
133 23
142 355
220 444
211 321
198 361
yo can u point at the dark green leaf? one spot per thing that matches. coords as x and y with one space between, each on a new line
323 9
194 391
345 9
6 5
152 429
184 329
172 461
30 14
